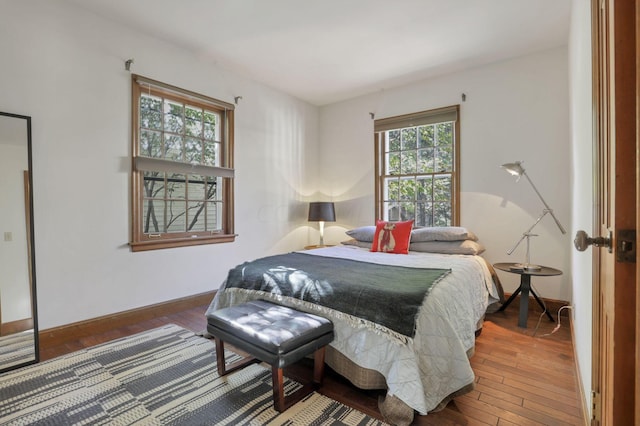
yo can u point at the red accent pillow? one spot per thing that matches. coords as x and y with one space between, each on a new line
392 237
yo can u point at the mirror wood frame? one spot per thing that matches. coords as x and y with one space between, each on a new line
28 180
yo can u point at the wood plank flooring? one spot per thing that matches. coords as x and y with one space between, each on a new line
521 379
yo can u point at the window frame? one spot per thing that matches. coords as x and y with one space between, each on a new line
143 242
381 126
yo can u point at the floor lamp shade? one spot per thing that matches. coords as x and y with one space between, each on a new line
517 170
322 212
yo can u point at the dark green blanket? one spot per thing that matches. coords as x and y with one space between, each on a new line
387 295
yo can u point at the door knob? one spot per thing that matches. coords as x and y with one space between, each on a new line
582 241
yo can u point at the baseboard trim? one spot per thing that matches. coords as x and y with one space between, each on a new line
16 326
66 333
584 407
553 305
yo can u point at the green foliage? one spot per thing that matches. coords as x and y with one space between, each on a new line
193 121
419 168
173 117
193 150
393 163
150 144
150 112
178 132
426 135
408 163
393 140
181 133
409 138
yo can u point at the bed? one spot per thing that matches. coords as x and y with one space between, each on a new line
423 363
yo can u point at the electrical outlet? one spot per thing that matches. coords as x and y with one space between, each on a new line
8 236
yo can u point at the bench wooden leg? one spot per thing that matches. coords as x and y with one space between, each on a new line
318 365
280 402
223 368
278 389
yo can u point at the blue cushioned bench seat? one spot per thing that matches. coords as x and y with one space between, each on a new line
274 334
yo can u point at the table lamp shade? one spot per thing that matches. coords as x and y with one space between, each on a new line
322 212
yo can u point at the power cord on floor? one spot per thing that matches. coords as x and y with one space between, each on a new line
557 327
544 311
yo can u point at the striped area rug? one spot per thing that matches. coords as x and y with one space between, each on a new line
166 376
17 348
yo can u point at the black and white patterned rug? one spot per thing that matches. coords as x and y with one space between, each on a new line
17 348
166 376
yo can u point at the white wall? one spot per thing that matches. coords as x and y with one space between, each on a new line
67 72
581 184
515 110
65 68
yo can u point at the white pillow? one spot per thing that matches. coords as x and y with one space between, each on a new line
354 242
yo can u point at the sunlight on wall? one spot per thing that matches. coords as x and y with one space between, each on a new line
275 160
499 224
286 146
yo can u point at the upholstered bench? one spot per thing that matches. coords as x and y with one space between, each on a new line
274 334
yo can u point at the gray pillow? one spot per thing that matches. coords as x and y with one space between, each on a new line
364 233
442 233
448 247
353 242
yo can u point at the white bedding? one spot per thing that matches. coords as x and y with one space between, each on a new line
426 369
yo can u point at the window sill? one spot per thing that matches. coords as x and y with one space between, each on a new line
180 242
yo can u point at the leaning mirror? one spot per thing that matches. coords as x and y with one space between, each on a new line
18 322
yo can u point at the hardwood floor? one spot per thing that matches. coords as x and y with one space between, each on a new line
521 379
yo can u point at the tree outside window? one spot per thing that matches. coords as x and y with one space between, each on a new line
416 167
182 174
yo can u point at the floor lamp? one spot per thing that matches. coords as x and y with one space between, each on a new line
516 169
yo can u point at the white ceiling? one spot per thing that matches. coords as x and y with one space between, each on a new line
326 51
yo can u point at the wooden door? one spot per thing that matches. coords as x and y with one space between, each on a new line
614 286
637 307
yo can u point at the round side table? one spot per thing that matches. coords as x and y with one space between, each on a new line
525 287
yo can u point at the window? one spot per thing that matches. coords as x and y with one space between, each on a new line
417 167
182 178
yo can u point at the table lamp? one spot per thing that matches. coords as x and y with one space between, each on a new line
322 212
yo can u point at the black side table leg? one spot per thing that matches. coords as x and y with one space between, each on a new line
544 308
510 299
525 285
525 288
